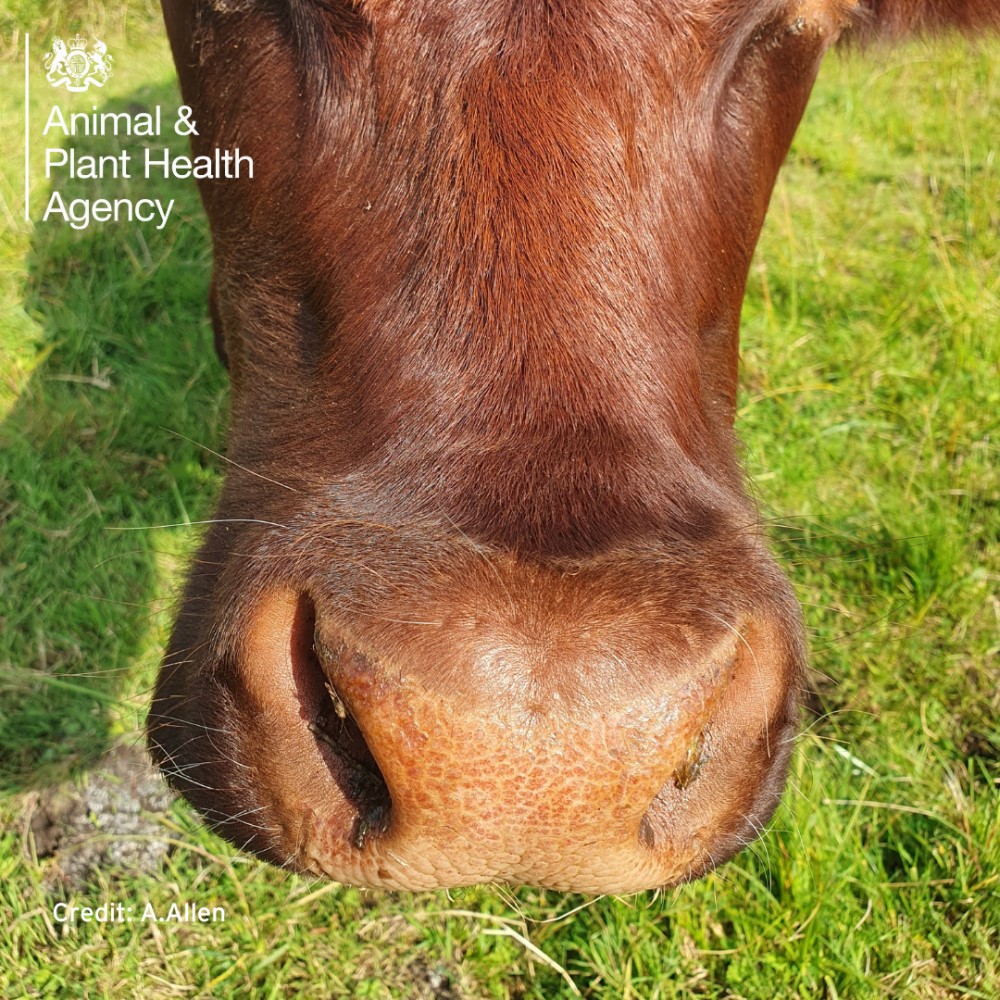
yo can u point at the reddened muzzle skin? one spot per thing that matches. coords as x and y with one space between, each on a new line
558 728
485 598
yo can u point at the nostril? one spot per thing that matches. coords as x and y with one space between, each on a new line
338 737
689 767
656 820
353 765
647 833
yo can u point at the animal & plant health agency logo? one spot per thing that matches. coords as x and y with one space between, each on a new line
76 66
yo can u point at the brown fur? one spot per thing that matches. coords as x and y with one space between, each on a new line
480 305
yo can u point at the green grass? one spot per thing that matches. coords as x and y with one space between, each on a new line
870 411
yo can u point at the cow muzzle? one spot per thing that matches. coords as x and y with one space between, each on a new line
548 740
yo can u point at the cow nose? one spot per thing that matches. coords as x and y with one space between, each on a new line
476 754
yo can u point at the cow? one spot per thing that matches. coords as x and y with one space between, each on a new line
485 599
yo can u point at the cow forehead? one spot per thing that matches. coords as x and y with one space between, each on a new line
728 18
405 54
723 21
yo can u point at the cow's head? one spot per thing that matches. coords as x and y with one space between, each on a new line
485 598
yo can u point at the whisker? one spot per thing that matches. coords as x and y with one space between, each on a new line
229 461
189 524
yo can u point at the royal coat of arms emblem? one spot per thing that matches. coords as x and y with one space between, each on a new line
76 66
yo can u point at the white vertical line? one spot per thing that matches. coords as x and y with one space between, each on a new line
27 131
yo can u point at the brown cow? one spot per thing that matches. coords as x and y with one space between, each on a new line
485 598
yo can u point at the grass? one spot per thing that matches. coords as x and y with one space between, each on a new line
869 411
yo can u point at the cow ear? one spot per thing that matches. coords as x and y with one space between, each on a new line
894 19
770 83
